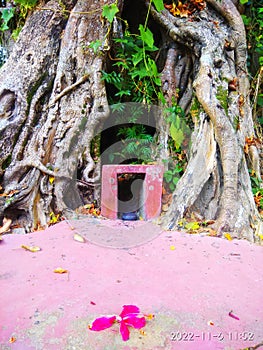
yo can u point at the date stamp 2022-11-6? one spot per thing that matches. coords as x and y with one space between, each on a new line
207 336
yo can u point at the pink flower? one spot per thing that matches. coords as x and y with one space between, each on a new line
102 323
130 316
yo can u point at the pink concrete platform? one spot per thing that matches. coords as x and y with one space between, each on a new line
150 200
190 283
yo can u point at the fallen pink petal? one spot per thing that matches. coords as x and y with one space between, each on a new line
102 323
129 309
137 322
124 330
233 316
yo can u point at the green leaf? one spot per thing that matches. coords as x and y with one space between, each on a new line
172 187
152 67
161 97
158 81
175 180
137 57
159 5
94 45
177 135
7 14
146 35
109 12
246 20
27 3
123 93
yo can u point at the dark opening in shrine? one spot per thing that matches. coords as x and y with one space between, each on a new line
130 196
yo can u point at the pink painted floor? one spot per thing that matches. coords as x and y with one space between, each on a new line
190 283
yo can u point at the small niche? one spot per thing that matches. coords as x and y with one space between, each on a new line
130 196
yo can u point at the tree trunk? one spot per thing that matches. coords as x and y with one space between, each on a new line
53 103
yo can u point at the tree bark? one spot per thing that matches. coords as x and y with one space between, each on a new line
53 103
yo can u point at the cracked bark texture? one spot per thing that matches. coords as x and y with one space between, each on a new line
52 102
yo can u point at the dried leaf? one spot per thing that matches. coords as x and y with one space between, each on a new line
51 179
6 225
9 194
54 218
192 226
149 316
12 340
228 236
186 9
77 237
30 248
60 270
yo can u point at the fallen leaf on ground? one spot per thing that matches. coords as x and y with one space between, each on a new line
60 270
6 225
77 237
12 340
192 227
31 249
149 316
228 236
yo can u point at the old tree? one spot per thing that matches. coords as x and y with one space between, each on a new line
53 100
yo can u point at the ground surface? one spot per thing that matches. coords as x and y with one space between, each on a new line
189 282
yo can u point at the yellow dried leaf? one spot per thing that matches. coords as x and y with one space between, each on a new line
228 236
6 225
30 249
12 340
60 270
51 179
79 238
150 316
192 226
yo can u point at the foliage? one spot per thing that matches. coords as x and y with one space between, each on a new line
109 11
136 144
6 15
172 176
253 20
13 18
179 129
257 190
135 77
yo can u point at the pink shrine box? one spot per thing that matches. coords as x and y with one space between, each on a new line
131 188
